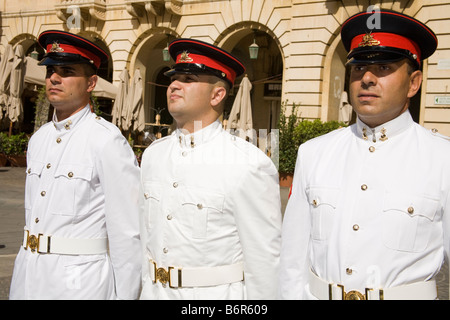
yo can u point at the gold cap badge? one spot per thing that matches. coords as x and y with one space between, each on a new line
56 47
368 41
185 57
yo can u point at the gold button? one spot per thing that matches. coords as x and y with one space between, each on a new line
36 220
70 174
58 140
169 217
43 193
410 210
97 117
48 165
175 184
364 187
315 203
29 170
349 271
200 206
372 149
355 227
146 195
165 250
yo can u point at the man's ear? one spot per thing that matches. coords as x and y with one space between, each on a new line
92 82
218 94
415 81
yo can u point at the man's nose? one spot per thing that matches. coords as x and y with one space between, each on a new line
174 85
369 78
53 76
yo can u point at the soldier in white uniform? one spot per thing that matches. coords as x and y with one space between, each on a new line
81 238
211 220
368 217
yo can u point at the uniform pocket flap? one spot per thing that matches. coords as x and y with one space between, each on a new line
152 190
318 196
203 198
35 167
413 205
74 171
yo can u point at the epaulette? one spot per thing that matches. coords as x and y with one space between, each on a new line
435 133
100 120
105 123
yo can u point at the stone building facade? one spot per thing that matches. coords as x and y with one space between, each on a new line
300 59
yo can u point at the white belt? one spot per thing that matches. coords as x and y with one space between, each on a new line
321 289
50 244
178 277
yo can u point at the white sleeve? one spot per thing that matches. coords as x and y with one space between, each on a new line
295 239
119 177
257 207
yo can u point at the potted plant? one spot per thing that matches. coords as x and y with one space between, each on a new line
15 147
288 145
3 158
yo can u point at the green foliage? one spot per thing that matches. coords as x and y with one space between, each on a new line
16 144
2 141
95 105
294 131
287 144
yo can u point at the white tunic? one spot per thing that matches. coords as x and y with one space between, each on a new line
367 212
98 199
214 204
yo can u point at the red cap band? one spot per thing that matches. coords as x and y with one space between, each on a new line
387 40
67 48
186 57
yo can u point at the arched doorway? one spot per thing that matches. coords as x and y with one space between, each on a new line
160 102
335 84
148 58
265 72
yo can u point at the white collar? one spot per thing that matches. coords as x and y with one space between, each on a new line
192 140
386 130
72 121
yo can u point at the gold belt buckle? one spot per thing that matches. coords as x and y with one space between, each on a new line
354 295
162 275
33 242
351 295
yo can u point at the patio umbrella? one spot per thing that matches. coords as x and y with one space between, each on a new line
5 73
121 98
105 89
241 113
15 107
135 116
345 109
34 73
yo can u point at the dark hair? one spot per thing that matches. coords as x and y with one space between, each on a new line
89 70
411 66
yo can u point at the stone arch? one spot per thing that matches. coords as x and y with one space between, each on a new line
146 55
334 80
269 67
